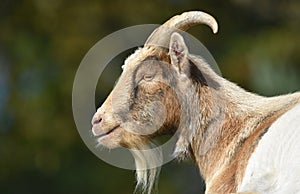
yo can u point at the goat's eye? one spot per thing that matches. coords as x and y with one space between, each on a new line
148 77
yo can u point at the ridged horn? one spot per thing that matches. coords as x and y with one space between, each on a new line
161 35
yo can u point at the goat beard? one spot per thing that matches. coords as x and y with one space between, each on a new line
148 160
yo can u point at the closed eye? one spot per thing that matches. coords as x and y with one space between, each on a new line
148 77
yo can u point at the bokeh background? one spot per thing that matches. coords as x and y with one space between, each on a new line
42 43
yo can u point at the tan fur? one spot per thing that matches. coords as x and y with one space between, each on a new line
230 175
224 171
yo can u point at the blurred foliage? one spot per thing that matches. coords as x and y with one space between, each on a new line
42 43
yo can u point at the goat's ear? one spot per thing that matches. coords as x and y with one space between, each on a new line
178 51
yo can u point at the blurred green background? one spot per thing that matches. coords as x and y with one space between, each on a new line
42 43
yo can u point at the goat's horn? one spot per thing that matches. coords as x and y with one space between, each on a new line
161 35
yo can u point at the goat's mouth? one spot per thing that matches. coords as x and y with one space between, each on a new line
107 133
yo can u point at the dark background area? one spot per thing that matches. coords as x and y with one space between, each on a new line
42 43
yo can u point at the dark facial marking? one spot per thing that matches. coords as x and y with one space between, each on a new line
138 74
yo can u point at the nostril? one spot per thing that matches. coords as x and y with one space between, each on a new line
96 120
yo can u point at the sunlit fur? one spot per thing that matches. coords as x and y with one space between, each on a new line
278 154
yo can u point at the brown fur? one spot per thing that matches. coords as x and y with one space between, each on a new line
227 181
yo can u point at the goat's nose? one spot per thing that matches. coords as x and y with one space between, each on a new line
96 120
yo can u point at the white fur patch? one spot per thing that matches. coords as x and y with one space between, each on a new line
274 166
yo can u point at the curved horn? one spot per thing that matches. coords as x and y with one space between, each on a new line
161 35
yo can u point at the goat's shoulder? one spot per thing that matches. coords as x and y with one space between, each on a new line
274 166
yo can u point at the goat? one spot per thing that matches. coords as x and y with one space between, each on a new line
240 141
